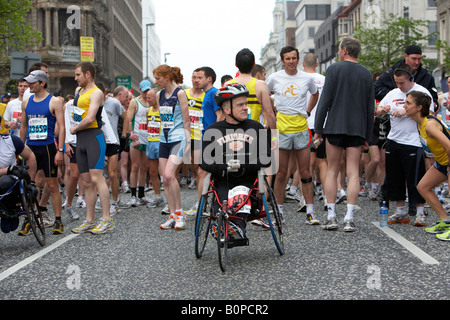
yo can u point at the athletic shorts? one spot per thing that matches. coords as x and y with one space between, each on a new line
45 159
174 148
196 144
91 149
321 152
345 141
112 149
152 150
74 154
295 141
442 169
141 147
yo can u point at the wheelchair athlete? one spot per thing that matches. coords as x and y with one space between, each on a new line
10 148
234 150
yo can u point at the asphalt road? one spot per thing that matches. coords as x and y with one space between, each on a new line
139 261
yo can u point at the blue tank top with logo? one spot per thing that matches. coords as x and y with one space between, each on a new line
41 122
172 129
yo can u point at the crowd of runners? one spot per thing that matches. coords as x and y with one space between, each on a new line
338 137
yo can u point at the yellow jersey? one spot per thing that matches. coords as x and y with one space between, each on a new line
195 114
253 104
153 125
3 129
82 103
430 145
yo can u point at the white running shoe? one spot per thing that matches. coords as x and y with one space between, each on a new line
103 227
169 224
180 222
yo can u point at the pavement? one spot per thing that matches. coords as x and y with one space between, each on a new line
139 261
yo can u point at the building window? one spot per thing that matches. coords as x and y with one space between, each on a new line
432 29
318 12
311 32
431 4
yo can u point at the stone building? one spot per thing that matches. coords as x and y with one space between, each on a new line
115 25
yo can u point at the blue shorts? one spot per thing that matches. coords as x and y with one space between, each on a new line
174 148
152 151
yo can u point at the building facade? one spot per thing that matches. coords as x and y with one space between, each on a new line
115 25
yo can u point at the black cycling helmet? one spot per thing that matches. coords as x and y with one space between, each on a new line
229 92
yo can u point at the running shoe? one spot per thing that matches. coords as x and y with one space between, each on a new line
439 227
193 184
311 219
26 228
331 224
114 209
85 227
341 196
235 232
125 187
156 202
399 218
166 210
420 220
444 236
301 205
145 200
193 211
134 202
103 227
169 224
58 227
48 222
123 205
81 203
349 226
180 222
263 223
72 214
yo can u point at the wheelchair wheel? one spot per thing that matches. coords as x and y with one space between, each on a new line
35 218
203 223
222 239
274 217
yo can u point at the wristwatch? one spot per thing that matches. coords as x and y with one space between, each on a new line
61 149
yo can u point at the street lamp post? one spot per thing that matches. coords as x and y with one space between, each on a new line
147 56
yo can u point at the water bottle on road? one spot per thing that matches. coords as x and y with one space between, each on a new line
383 215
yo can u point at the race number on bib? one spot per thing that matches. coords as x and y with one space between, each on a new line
38 128
237 196
166 114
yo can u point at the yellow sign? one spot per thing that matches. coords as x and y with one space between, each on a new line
87 49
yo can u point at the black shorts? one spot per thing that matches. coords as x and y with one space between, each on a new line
74 155
112 149
321 152
45 159
345 141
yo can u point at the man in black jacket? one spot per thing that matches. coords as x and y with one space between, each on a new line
413 57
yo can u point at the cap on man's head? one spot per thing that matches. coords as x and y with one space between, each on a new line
36 76
413 49
145 85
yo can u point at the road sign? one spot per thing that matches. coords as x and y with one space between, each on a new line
21 63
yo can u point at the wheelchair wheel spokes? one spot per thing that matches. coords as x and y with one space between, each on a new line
222 239
203 223
274 218
35 218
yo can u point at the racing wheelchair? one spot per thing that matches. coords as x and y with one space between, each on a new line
16 200
259 201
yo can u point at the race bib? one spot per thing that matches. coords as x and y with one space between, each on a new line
77 114
237 196
195 118
166 114
38 129
143 123
153 129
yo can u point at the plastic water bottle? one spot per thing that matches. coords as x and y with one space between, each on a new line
383 215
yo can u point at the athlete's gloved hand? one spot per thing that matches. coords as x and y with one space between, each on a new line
32 189
20 172
233 165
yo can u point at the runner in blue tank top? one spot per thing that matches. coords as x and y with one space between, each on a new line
40 114
175 139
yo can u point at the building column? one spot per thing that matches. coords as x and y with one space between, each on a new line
55 27
48 31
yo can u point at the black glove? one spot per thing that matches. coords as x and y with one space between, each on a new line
20 172
123 142
32 189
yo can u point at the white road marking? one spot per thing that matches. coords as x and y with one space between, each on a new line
5 274
419 253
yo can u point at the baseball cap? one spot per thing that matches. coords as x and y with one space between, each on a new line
36 76
145 85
